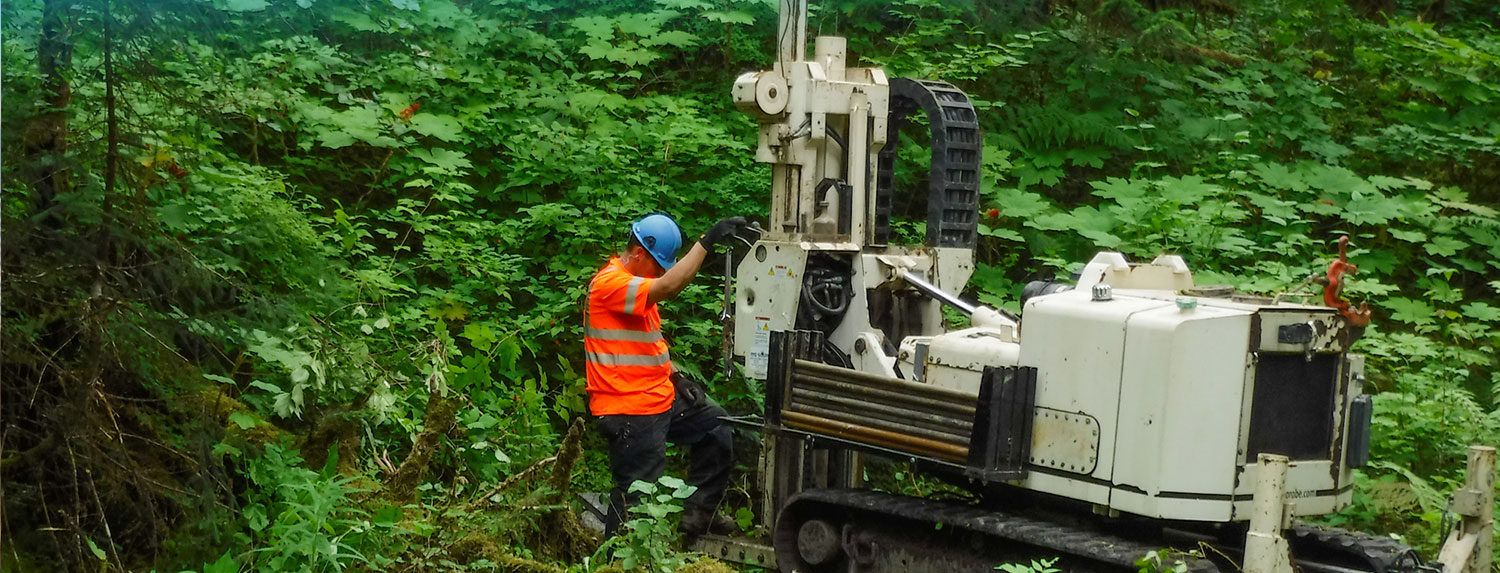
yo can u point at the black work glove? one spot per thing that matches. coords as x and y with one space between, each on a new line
689 390
722 230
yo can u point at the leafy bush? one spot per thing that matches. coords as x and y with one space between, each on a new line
646 541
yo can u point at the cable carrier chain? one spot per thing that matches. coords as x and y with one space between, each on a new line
1140 410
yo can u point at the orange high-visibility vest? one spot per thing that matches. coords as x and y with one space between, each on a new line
629 370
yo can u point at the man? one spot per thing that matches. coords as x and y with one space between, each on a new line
638 400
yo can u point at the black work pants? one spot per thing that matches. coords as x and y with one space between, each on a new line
638 450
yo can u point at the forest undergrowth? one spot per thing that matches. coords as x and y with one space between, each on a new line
296 285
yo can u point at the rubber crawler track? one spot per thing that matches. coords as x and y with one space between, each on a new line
863 506
1377 554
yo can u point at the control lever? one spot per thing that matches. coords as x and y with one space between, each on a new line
726 316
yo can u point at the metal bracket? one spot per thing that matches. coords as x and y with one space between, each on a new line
1001 440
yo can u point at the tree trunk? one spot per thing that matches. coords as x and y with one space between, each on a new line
47 135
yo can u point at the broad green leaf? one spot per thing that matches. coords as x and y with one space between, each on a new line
1188 190
745 518
1327 149
1018 204
642 486
225 564
1335 179
1278 211
386 516
443 127
508 354
282 405
644 25
1455 198
1482 311
479 334
598 28
244 420
1280 177
443 161
178 217
1445 246
1000 233
1050 222
1370 207
1421 184
1408 236
484 422
1387 183
1101 238
355 124
728 17
1409 311
1120 189
676 38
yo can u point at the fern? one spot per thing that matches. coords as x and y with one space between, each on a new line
1054 126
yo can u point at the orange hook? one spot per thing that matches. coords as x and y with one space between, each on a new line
1331 293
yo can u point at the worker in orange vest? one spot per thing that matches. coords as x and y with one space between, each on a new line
639 401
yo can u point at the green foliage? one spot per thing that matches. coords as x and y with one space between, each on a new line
1165 561
646 541
322 213
1036 566
302 520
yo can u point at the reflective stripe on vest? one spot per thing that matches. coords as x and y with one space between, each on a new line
628 359
630 293
621 334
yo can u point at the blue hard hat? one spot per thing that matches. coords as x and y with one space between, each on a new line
661 237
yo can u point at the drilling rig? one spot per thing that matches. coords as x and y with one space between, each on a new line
1138 411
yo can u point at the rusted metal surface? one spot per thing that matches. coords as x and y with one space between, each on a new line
876 436
1065 441
737 550
881 424
947 423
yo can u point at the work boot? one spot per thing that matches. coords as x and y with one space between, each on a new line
697 521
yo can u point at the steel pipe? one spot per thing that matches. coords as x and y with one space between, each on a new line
890 413
836 373
880 424
883 396
893 440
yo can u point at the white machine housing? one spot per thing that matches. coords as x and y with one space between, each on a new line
1146 399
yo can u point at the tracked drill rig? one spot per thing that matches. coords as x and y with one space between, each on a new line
1138 411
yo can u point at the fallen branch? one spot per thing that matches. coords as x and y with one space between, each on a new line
533 469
